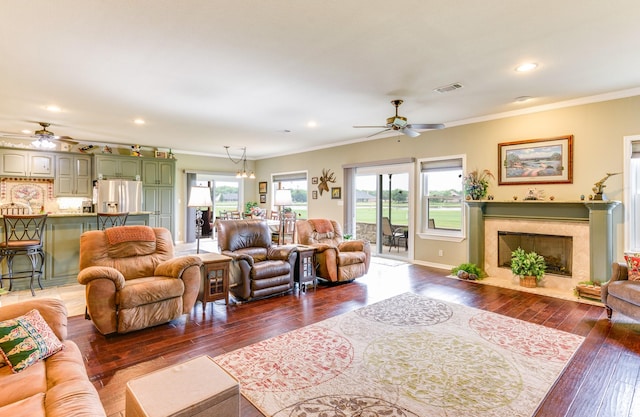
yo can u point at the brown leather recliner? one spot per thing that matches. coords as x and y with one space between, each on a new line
337 260
260 269
133 280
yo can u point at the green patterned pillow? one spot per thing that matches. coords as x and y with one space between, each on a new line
27 339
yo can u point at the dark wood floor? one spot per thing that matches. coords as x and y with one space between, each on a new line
603 379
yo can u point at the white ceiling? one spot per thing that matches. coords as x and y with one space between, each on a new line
209 73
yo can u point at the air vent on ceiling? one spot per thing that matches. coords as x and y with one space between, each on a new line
448 88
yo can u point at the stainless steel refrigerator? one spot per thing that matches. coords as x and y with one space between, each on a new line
119 196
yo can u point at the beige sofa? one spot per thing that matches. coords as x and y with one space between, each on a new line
620 293
54 387
133 280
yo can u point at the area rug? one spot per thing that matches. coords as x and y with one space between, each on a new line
405 356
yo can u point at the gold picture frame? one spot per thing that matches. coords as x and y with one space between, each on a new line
336 193
262 187
536 161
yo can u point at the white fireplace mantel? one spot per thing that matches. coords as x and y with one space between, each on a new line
597 213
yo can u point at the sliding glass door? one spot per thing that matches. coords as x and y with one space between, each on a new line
383 208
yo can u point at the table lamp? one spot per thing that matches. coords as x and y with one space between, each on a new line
200 199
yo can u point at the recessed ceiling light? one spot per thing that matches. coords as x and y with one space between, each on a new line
138 121
523 99
54 108
527 66
312 123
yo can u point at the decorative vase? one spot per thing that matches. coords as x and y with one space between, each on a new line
528 281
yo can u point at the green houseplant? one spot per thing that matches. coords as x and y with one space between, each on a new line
529 266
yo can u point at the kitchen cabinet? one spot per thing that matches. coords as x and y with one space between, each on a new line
113 166
73 176
158 172
158 201
20 163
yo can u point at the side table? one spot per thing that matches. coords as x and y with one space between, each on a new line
305 272
215 278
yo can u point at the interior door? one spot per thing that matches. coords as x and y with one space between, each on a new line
384 192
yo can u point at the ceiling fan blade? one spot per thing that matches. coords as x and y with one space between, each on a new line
371 127
426 126
377 133
409 132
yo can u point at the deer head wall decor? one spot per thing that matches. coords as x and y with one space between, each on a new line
325 179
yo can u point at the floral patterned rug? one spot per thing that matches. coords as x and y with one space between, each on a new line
405 356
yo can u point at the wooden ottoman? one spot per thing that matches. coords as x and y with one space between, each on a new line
195 388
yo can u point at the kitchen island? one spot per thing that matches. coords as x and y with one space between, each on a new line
62 248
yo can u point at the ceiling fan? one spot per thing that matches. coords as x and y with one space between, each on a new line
400 124
43 138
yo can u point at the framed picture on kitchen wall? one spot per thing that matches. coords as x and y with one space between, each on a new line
536 161
262 187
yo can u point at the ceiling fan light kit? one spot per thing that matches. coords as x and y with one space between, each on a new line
400 124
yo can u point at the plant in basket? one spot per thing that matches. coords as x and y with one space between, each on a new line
529 266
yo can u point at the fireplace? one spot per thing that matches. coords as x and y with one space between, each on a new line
588 223
557 251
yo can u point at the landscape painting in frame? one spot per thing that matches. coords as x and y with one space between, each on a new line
536 161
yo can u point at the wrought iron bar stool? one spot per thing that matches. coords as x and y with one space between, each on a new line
23 236
106 220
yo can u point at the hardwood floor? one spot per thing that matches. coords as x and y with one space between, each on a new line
603 379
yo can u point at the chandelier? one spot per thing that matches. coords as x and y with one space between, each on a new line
242 173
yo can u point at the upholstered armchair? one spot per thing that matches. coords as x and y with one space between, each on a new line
621 293
260 268
337 260
133 280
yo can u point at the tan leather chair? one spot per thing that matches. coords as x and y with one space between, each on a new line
620 293
133 280
337 260
260 269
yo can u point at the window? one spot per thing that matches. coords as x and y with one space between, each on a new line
442 210
632 193
297 183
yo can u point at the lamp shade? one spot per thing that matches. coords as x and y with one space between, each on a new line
200 197
283 198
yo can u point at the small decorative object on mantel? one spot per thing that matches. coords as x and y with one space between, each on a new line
529 266
135 150
476 183
598 188
534 194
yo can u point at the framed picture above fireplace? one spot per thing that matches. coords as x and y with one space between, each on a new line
536 161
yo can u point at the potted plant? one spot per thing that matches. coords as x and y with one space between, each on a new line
529 266
248 206
468 271
476 183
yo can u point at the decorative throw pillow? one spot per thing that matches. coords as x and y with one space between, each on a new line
27 339
633 265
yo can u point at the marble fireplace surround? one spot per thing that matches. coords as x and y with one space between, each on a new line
588 222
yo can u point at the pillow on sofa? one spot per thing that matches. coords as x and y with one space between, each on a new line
633 266
26 339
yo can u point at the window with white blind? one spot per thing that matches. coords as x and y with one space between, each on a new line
442 204
298 184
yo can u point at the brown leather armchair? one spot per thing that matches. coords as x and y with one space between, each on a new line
133 280
337 260
260 269
620 293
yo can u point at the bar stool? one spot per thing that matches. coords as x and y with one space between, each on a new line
106 220
23 236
